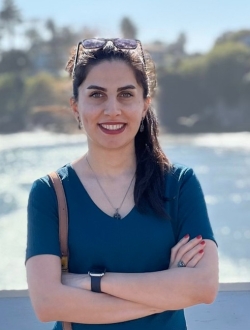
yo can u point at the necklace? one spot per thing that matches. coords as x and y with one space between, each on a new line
116 214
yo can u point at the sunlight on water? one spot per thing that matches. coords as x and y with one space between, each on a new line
221 162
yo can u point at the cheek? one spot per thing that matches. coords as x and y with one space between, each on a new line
137 110
89 112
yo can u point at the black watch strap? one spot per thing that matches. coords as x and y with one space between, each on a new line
96 283
96 275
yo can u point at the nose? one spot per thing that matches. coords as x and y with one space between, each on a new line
112 107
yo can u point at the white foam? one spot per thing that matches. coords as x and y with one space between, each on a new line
40 138
232 270
12 246
217 140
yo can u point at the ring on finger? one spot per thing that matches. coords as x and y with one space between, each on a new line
181 264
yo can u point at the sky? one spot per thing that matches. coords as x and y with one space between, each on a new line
202 20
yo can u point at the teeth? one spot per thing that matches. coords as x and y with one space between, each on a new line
112 127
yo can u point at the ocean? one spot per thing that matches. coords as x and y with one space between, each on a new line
221 162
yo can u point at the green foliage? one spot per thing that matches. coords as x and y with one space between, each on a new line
20 97
191 66
11 110
242 36
227 65
15 61
210 92
40 90
11 91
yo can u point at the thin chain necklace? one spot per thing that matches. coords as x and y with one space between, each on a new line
116 214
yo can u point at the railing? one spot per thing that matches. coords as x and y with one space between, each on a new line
230 311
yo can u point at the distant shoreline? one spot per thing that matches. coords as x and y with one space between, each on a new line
45 138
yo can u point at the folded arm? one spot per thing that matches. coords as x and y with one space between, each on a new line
171 289
53 301
126 296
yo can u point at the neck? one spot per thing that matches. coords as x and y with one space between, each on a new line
112 163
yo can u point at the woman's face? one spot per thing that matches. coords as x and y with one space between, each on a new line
111 105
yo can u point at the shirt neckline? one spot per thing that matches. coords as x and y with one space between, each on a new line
71 168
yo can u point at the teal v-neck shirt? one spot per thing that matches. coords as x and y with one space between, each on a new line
135 244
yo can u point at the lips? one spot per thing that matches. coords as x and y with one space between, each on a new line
112 128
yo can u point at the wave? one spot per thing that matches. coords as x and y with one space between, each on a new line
40 139
239 140
43 138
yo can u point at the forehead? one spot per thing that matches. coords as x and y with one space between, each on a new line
115 72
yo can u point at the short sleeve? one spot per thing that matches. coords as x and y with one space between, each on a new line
192 215
43 226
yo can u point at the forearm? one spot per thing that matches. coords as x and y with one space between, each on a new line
62 298
169 290
69 304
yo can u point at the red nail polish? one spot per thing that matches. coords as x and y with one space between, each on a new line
202 242
198 237
186 236
201 251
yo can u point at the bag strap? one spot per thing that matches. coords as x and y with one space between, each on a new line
63 219
63 228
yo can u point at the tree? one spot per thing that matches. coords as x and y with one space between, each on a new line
128 29
12 112
209 93
33 35
51 27
14 61
181 42
178 47
10 17
242 36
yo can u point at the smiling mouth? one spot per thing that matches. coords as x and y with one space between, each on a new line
112 127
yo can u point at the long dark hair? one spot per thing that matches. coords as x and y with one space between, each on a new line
151 162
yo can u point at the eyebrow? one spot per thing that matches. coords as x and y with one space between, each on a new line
105 89
125 87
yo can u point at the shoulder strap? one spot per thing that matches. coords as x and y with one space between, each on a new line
63 227
63 219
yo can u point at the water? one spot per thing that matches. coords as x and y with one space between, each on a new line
221 162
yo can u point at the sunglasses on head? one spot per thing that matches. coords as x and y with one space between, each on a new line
97 43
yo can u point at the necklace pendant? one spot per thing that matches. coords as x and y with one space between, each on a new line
117 215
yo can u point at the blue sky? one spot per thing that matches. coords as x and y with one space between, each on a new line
202 20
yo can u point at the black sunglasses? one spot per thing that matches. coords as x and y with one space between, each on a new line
96 43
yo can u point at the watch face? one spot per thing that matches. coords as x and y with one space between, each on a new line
97 271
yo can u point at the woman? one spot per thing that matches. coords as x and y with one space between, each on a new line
137 218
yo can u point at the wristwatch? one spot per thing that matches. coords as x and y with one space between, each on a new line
96 275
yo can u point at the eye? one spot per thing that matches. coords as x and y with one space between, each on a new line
126 94
96 95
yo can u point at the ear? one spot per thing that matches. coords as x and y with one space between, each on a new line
147 103
74 107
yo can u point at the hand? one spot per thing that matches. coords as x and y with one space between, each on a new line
190 252
80 281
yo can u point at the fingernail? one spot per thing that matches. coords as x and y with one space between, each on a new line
201 251
186 236
202 242
198 237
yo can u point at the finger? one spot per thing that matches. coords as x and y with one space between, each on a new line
187 247
194 261
187 257
176 248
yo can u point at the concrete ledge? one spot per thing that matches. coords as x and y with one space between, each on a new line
13 293
230 311
244 286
